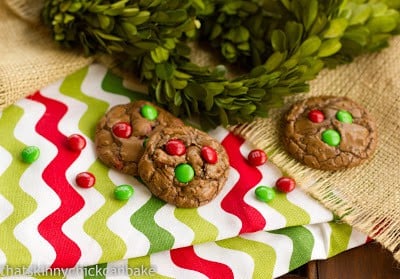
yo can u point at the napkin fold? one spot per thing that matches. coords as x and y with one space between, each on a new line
47 223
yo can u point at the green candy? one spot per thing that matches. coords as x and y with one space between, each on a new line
331 137
344 116
149 112
264 193
184 173
30 154
123 192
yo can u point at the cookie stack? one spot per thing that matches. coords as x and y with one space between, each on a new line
179 164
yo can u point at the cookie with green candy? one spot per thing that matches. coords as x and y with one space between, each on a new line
122 132
184 166
329 133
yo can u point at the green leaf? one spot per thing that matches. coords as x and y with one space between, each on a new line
128 12
177 99
358 35
274 61
140 18
309 13
148 45
109 37
278 40
310 46
248 109
178 83
294 33
336 28
209 101
223 117
214 88
360 14
382 24
195 91
169 90
329 48
159 54
238 35
164 71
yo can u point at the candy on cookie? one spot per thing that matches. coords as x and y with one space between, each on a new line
329 133
184 166
122 132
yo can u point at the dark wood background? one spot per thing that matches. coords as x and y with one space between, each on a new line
370 261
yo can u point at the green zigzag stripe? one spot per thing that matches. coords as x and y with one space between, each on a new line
339 239
204 231
303 244
159 238
114 248
264 256
293 214
71 87
114 84
137 263
24 205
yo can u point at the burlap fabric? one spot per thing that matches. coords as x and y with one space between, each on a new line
29 58
366 197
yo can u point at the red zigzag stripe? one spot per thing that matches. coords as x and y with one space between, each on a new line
67 251
187 258
249 176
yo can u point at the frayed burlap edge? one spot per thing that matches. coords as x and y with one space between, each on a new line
367 197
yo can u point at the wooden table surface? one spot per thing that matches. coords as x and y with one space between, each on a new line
370 261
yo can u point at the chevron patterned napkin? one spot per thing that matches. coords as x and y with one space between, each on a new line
49 225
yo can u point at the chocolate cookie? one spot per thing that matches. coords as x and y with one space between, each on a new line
121 131
329 133
184 166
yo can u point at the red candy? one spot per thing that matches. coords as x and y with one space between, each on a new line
122 130
257 157
285 184
175 147
316 116
76 142
85 180
209 154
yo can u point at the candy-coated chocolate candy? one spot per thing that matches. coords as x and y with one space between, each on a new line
30 154
123 192
344 116
316 116
76 142
122 130
85 180
149 112
285 184
331 137
175 147
264 193
257 157
209 154
184 173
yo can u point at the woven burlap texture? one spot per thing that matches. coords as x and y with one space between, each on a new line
367 197
30 59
